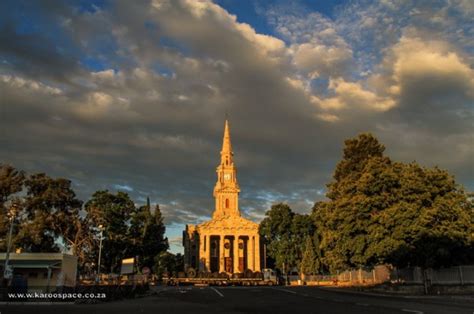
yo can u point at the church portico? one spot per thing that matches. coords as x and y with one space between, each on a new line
228 242
229 251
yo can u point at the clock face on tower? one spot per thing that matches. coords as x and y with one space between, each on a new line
227 176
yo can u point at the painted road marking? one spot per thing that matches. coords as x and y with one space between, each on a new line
284 290
412 311
218 292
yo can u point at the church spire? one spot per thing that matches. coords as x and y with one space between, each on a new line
226 190
226 152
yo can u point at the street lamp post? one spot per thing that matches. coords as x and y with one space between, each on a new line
101 228
6 271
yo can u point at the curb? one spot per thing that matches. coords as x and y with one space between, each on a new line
436 297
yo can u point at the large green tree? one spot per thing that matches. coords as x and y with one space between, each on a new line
381 211
154 240
429 224
147 234
128 231
113 213
47 216
50 214
284 231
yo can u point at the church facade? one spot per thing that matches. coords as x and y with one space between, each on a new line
228 242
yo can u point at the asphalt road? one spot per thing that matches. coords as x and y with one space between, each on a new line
258 300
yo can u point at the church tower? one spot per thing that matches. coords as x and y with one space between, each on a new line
226 190
228 243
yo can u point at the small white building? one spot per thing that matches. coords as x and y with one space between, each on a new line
43 271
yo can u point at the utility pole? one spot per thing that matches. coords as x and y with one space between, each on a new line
264 255
101 228
7 274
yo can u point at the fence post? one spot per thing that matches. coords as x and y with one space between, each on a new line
461 275
360 275
373 275
426 282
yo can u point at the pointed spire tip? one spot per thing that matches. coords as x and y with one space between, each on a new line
226 144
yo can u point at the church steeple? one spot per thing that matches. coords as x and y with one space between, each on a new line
226 152
226 191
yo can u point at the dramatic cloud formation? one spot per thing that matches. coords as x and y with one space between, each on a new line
132 95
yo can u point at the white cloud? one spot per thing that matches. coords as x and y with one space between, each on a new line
100 105
299 84
328 117
267 45
430 62
316 48
31 85
351 95
104 75
322 60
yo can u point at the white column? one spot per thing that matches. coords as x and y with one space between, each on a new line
221 254
208 252
250 263
257 253
201 255
236 254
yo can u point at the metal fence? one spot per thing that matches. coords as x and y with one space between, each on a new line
378 274
457 275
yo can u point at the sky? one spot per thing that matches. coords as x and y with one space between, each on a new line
132 95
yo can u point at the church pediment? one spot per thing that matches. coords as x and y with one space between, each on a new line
229 223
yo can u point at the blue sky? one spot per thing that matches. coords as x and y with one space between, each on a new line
131 96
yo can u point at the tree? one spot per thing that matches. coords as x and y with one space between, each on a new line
113 212
167 262
47 215
302 227
388 212
11 182
283 231
275 229
50 213
309 262
437 221
147 232
277 222
154 240
80 240
357 152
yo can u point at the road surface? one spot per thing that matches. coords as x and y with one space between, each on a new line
258 300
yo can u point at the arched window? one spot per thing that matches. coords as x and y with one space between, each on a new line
226 203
